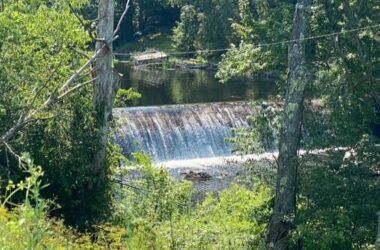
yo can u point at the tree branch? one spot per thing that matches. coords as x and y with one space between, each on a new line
121 19
78 86
85 26
12 152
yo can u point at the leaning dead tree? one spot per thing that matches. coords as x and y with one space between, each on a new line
281 222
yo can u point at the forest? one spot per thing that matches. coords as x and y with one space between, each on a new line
190 124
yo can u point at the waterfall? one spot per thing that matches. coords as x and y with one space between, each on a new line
178 132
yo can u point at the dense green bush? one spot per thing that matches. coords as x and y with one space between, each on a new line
160 215
153 212
237 219
187 29
39 40
204 24
338 202
28 225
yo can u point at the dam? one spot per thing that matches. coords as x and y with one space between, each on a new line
180 132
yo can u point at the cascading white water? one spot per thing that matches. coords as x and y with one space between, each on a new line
179 132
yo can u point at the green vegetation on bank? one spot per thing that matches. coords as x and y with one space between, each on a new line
51 199
153 212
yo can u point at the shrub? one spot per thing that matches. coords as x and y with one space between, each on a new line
28 226
160 215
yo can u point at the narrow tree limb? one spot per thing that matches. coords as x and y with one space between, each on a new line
121 19
80 52
38 91
14 154
85 26
78 86
81 69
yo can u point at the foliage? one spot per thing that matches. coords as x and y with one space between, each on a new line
27 226
263 131
125 96
235 220
338 201
160 214
258 24
39 44
145 17
185 33
35 58
149 202
204 24
241 61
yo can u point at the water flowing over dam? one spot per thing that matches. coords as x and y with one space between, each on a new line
180 132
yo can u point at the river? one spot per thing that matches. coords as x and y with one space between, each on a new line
183 120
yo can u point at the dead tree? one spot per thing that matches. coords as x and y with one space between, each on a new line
103 96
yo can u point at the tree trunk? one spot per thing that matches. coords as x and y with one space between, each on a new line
284 207
378 233
103 86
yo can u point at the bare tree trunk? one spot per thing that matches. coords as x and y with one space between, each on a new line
378 233
103 86
282 219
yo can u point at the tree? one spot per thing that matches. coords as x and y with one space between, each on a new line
285 199
332 210
103 96
378 233
204 24
46 109
258 23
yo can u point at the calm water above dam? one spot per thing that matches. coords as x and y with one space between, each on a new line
162 87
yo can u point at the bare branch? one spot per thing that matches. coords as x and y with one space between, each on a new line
12 152
79 52
78 72
78 86
121 19
85 26
45 84
124 183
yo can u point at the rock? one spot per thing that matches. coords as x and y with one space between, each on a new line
195 175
